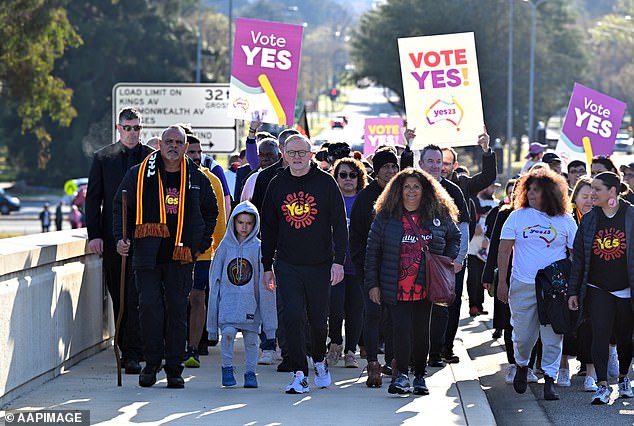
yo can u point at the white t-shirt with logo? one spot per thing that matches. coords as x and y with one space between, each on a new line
539 240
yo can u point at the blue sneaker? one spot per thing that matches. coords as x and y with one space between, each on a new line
227 377
400 385
420 388
250 381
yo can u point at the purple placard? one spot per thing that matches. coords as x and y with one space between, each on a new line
382 131
592 115
265 69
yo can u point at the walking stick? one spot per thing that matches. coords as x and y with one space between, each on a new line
124 223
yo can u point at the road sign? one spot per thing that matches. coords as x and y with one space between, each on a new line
70 187
203 105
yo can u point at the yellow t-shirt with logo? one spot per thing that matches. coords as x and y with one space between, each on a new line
221 222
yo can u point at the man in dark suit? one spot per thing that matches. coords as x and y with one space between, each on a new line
109 166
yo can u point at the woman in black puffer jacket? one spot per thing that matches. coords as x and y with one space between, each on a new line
414 213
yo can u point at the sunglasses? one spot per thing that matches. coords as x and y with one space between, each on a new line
129 128
344 175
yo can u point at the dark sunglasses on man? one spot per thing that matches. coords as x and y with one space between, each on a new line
129 128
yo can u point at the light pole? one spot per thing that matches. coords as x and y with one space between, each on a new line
531 79
509 98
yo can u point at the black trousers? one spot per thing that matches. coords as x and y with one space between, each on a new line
305 293
609 313
163 299
474 281
411 322
445 321
376 318
130 341
346 301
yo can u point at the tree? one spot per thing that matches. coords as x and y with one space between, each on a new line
124 41
34 35
611 41
558 48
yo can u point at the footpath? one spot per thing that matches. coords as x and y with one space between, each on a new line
456 397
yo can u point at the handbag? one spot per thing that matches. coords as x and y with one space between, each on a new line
440 277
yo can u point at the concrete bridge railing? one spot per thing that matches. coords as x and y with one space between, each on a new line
54 309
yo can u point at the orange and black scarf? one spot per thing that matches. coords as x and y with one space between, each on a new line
151 215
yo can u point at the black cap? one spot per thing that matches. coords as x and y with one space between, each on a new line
550 157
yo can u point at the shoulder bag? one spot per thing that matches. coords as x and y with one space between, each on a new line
440 277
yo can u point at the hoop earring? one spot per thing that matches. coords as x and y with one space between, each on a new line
612 202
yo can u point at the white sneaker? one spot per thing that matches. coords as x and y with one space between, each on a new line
602 395
625 388
510 374
334 353
531 377
322 375
589 384
266 357
563 378
350 360
613 364
299 384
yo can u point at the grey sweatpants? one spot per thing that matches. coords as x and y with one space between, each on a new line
251 341
526 329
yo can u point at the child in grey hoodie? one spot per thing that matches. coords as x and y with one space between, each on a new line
238 300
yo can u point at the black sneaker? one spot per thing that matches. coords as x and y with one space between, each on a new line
420 388
191 358
450 357
132 366
497 333
520 382
400 385
174 376
284 367
147 377
435 361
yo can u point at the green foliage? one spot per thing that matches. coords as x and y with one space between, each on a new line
612 40
124 41
34 34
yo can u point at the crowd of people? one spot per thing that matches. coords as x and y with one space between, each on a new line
292 245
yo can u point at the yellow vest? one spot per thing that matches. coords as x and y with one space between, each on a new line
221 222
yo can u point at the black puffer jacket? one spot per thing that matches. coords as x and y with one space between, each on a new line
582 253
384 250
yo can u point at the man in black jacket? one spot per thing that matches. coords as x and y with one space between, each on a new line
171 214
261 184
304 228
109 165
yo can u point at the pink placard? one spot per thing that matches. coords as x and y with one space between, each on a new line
382 131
